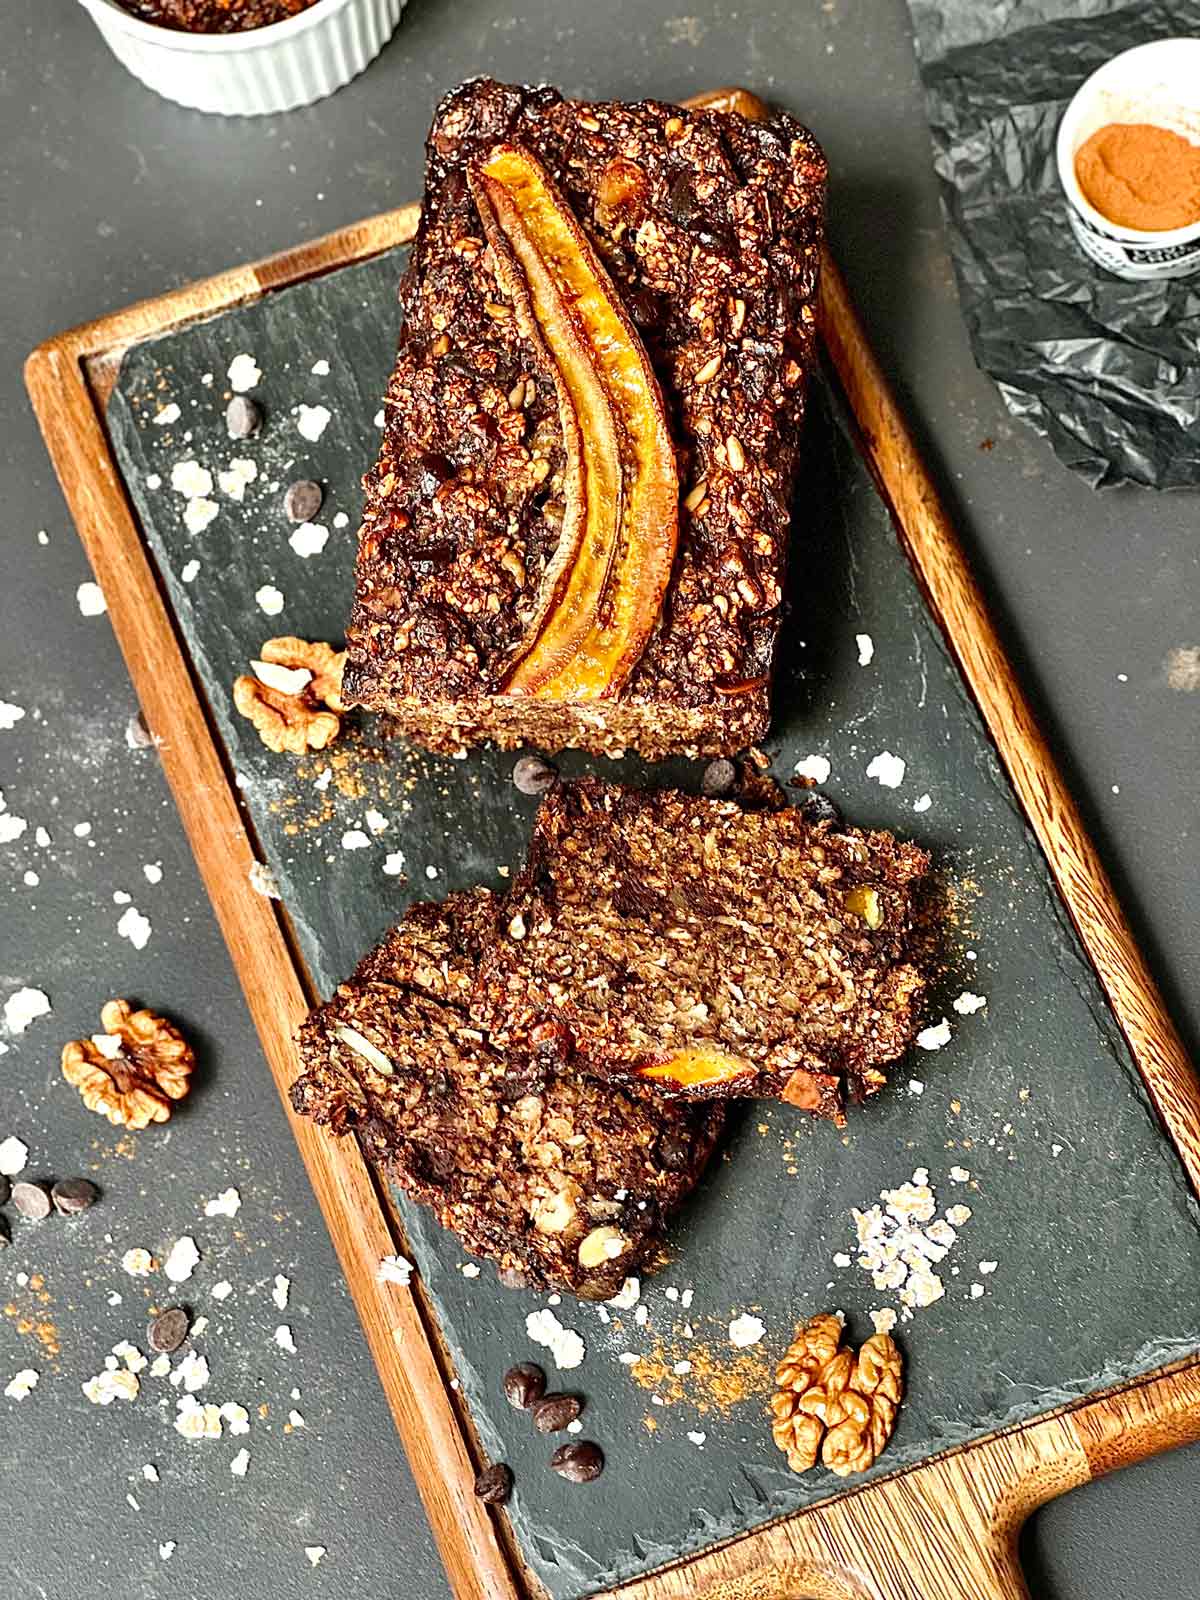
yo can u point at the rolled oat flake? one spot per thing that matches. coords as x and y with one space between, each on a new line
31 1200
494 1484
168 1331
302 500
580 1462
73 1195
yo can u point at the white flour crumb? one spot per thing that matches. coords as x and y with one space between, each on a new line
24 1007
915 1086
138 1263
237 477
566 1347
887 769
935 1037
376 820
240 1463
841 1259
198 513
152 872
431 873
222 1290
167 1549
236 1416
394 1269
866 649
153 481
30 879
1056 1149
959 1214
309 539
110 1385
227 1204
133 926
160 1366
629 1358
191 480
150 1473
745 1331
22 1384
686 1298
641 1316
379 418
817 768
280 1291
393 863
189 570
198 1327
884 1319
41 838
296 1420
11 827
269 600
697 1436
960 1175
113 1298
131 1500
182 1259
469 1270
243 373
355 839
10 715
192 1372
283 1338
681 1368
168 414
311 421
90 599
14 1153
341 520
922 802
81 830
977 1291
320 369
986 1267
967 1004
314 1552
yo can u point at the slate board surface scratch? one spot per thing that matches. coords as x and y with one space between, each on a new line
1077 1236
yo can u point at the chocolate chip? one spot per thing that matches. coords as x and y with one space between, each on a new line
168 1331
681 198
73 1195
5 1190
720 777
817 807
578 1463
674 1151
532 775
243 418
302 500
524 1385
554 1411
31 1200
494 1484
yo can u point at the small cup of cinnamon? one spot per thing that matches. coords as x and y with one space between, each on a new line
1129 161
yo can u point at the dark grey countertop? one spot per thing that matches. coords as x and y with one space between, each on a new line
111 195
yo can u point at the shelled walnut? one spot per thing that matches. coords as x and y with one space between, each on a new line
132 1077
832 1404
294 697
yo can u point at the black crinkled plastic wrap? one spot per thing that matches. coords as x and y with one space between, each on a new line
1107 371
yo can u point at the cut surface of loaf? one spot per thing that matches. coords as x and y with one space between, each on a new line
576 530
707 950
562 1181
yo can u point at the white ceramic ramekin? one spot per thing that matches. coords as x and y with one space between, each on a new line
1157 83
285 64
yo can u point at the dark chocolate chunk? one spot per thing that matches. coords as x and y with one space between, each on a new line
168 1330
524 1385
243 418
494 1484
32 1200
72 1195
533 776
302 500
579 1462
720 777
554 1411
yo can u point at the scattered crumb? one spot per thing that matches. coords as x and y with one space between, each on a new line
237 478
222 1290
192 1373
566 1347
22 1385
168 414
697 1437
138 1263
394 1269
182 1259
227 1204
243 373
269 600
745 1331
469 1270
393 863
309 539
283 1338
959 1175
915 1086
884 1319
189 570
281 1290
90 599
262 881
236 1416
166 1550
935 1037
24 1007
887 769
986 1267
14 1152
191 480
866 649
817 768
922 802
311 421
967 1004
240 1463
111 1384
315 1552
10 715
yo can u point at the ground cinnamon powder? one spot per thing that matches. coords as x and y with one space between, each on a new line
1140 176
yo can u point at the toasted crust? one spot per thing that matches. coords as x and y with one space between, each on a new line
649 924
521 1164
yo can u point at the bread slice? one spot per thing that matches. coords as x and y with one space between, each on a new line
562 1181
706 950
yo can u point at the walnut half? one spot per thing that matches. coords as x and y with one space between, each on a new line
294 697
132 1076
833 1405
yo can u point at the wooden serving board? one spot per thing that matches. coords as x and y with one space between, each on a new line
1077 1111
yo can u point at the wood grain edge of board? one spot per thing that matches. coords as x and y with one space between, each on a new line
474 1552
472 1544
946 1530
